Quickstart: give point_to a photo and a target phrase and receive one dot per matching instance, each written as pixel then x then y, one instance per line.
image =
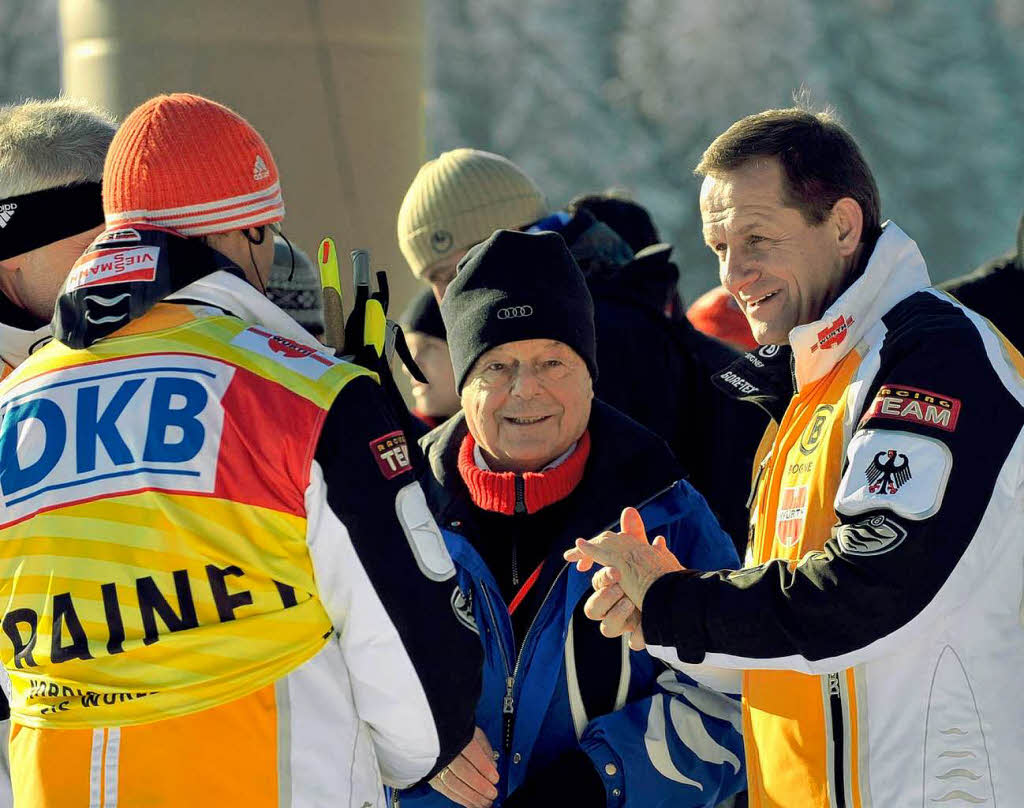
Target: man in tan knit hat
pixel 457 200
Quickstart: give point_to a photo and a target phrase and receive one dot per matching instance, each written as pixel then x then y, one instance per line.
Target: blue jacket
pixel 666 740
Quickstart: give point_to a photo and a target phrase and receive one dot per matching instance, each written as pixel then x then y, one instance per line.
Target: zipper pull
pixel 520 486
pixel 508 706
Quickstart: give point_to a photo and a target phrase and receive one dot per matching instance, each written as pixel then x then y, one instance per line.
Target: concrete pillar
pixel 334 86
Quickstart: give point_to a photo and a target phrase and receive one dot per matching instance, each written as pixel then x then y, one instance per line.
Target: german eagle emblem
pixel 888 472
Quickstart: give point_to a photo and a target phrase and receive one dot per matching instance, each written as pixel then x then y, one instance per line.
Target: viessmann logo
pixel 514 311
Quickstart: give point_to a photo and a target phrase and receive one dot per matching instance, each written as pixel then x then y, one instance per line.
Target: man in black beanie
pixel 532 462
pixel 517 286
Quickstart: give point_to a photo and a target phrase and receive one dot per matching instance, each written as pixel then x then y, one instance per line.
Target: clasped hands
pixel 630 564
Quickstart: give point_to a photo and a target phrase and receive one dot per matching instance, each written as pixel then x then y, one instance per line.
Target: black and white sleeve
pixel 929 491
pixel 390 589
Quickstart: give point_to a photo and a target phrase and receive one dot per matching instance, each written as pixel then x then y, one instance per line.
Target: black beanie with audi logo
pixel 517 286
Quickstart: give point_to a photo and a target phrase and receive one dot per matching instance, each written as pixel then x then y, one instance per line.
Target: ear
pixel 848 219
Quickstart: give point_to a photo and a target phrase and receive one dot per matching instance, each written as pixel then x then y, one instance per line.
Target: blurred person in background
pixel 717 314
pixel 215 550
pixel 533 460
pixel 653 370
pixel 995 290
pixel 51 207
pixel 294 286
pixel 425 334
pixel 876 626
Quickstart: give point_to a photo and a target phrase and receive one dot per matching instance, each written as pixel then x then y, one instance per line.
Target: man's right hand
pixel 469 780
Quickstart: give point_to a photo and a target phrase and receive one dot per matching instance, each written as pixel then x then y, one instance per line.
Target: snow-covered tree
pixel 588 95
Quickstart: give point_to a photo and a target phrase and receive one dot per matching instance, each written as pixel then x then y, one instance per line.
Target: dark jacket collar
pixel 628 465
pixel 763 376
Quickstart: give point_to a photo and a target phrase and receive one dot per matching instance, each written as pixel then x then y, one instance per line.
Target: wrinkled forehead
pixel 740 196
pixel 526 350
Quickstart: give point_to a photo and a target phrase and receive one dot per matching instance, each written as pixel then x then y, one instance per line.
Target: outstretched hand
pixel 631 565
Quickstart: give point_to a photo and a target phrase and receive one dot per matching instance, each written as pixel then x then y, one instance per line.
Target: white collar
pixel 895 271
pixel 229 293
pixel 16 344
pixel 478 457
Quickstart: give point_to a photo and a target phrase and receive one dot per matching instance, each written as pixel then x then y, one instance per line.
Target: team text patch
pixel 391 453
pixel 904 403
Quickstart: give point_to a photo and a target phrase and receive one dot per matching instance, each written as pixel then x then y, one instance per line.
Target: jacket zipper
pixel 520 508
pixel 508 704
pixel 835 720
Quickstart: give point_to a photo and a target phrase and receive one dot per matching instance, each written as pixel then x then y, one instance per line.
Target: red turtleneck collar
pixel 496 491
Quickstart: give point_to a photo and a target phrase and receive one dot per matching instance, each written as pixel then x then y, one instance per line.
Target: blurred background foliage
pixel 627 93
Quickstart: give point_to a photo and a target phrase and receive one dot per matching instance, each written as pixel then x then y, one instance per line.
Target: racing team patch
pixel 896 471
pixel 391 453
pixel 904 403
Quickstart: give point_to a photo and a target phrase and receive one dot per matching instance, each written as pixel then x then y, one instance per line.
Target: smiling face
pixel 782 270
pixel 527 402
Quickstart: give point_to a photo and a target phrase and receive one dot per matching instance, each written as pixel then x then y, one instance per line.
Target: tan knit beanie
pixel 460 199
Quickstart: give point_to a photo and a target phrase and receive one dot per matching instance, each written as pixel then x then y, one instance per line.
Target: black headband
pixel 31 221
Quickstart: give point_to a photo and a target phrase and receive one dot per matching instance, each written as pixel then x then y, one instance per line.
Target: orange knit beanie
pixel 191 165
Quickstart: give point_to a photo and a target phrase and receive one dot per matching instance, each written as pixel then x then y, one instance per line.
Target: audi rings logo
pixel 514 311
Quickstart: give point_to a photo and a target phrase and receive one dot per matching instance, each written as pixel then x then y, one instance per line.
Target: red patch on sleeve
pixel 903 403
pixel 391 453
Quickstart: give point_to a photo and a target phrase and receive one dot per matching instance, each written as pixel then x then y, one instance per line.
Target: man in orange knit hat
pixel 222 584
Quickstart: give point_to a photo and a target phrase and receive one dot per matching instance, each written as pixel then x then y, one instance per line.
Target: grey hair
pixel 50 143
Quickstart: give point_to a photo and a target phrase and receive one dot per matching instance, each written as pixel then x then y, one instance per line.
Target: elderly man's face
pixel 526 402
pixel 781 270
